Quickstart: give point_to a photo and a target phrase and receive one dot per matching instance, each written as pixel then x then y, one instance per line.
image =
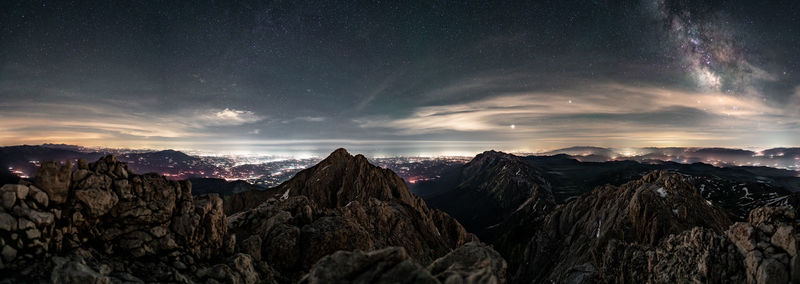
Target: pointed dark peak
pixel 342 157
pixel 339 153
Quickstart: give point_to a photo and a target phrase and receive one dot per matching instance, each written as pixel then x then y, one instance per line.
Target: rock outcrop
pixel 768 242
pixel 586 237
pixel 55 180
pixel 472 263
pixel 762 250
pixel 658 229
pixel 389 265
pixel 103 223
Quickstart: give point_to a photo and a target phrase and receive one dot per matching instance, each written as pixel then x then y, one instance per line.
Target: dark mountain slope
pixel 736 189
pixel 220 186
pixel 490 188
pixel 640 212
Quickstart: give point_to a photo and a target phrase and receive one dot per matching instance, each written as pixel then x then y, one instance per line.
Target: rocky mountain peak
pixel 339 153
pixel 342 203
pixel 336 181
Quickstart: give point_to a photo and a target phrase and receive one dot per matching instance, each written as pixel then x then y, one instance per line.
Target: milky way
pixel 707 45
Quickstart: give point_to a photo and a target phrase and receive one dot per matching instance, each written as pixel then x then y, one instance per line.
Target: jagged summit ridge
pixel 342 178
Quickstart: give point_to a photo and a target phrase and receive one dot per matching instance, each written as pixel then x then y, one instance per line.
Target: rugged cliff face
pixel 102 223
pixel 642 212
pixel 106 223
pixel 657 229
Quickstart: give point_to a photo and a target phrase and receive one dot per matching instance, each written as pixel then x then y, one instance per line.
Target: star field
pixel 399 77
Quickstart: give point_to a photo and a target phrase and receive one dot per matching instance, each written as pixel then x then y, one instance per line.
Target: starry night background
pixel 399 77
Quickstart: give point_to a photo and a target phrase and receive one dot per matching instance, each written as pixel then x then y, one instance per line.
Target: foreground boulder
pixel 768 242
pixel 102 222
pixel 472 263
pixel 389 265
pixel 55 180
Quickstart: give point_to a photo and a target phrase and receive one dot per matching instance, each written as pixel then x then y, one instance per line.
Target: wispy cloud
pixel 305 118
pixel 27 122
pixel 597 112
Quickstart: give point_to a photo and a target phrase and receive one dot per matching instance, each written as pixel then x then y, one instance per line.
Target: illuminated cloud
pixel 229 117
pixel 105 124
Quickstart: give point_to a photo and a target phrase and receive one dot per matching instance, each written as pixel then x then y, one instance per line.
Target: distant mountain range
pixel 24 161
pixel 569 171
pixel 787 158
pixel 739 189
pixel 261 171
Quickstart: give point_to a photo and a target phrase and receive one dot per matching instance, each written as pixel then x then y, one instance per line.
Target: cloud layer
pixel 606 112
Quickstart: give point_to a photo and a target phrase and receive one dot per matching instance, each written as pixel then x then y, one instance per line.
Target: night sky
pixel 399 77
